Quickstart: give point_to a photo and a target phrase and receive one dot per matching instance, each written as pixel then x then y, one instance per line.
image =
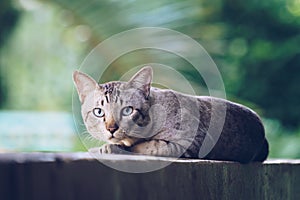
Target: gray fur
pixel 169 123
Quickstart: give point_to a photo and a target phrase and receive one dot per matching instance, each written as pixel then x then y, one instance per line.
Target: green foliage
pixel 38 61
pixel 283 142
pixel 8 19
pixel 270 68
pixel 255 45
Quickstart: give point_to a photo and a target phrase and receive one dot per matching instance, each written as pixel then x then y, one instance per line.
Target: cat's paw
pixel 112 149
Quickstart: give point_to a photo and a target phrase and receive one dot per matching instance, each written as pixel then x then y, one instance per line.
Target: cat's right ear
pixel 84 84
pixel 142 80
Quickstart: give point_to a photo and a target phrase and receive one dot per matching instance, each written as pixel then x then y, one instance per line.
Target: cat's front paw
pixel 112 149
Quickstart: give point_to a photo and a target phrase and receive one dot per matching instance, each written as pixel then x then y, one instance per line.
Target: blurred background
pixel 255 44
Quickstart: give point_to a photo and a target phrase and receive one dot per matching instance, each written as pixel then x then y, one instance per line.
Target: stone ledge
pixel 50 157
pixel 79 176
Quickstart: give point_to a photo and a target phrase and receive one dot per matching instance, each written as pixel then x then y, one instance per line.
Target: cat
pixel 135 118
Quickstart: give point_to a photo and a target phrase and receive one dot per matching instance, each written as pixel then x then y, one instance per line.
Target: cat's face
pixel 115 111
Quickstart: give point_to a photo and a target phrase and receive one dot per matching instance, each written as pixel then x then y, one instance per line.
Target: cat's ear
pixel 84 84
pixel 142 80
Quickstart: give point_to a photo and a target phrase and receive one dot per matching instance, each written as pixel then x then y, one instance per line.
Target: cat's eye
pixel 98 112
pixel 127 111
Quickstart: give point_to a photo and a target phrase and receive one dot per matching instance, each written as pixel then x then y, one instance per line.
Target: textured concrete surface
pixel 65 176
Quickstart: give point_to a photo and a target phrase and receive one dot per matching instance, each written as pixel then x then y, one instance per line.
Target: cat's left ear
pixel 142 80
pixel 84 84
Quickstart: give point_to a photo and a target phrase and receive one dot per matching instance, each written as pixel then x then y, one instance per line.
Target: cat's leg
pixel 158 148
pixel 113 149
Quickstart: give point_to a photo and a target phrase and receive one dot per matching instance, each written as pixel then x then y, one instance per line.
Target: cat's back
pixel 242 137
pixel 238 130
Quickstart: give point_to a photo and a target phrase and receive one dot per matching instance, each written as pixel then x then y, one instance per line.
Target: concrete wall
pixel 43 176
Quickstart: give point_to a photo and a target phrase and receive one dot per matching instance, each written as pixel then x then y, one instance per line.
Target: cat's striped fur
pixel 133 117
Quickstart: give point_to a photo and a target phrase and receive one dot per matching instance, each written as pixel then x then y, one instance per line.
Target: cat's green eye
pixel 127 111
pixel 98 112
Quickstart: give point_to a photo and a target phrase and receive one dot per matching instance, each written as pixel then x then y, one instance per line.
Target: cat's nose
pixel 113 128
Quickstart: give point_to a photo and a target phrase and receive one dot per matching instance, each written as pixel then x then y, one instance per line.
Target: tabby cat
pixel 135 118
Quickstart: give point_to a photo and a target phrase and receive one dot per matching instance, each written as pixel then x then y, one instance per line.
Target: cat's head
pixel 114 111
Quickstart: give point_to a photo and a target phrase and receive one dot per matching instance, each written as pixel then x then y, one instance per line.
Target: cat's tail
pixel 263 153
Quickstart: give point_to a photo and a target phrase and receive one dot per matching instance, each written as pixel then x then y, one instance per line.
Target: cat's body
pixel 135 117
